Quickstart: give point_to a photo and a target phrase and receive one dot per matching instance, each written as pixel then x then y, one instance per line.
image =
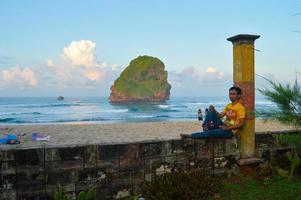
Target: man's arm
pixel 240 124
pixel 222 114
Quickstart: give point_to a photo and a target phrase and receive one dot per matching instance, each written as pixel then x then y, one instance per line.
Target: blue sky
pixel 188 36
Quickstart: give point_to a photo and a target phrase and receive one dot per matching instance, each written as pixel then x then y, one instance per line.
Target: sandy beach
pixel 79 134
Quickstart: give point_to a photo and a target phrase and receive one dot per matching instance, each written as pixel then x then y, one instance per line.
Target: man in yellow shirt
pixel 224 124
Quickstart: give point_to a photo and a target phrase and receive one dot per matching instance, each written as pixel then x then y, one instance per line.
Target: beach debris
pixel 40 137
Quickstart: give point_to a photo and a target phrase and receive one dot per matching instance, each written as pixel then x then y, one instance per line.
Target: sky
pixel 78 48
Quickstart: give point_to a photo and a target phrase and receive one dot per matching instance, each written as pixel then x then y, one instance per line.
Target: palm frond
pixel 287 98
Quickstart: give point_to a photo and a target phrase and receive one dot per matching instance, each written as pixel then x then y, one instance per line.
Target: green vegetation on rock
pixel 144 79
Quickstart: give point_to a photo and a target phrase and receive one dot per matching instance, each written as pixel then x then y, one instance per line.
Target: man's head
pixel 234 93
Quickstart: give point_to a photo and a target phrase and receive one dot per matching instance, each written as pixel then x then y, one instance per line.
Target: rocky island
pixel 144 80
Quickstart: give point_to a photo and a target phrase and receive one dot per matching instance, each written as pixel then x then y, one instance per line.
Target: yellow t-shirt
pixel 234 112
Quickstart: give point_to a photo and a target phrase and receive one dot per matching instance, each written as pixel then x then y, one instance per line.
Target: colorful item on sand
pixel 9 138
pixel 40 137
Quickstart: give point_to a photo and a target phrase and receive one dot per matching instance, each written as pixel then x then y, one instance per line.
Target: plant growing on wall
pixel 89 195
pixel 294 141
pixel 287 98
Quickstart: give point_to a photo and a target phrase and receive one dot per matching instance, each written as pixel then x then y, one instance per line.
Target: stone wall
pixel 115 170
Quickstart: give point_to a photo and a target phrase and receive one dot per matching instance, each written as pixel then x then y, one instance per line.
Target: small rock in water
pixel 60 98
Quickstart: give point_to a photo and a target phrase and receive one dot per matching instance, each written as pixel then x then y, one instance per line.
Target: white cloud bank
pixel 18 77
pixel 76 68
pixel 192 81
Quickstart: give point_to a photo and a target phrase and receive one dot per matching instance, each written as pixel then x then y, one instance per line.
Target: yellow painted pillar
pixel 243 76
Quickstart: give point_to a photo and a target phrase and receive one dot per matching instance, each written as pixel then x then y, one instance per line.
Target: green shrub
pixel 294 141
pixel 194 184
pixel 89 195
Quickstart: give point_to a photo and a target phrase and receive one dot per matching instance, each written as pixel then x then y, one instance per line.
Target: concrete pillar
pixel 243 76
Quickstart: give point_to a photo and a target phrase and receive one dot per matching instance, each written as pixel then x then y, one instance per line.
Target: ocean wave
pixel 134 109
pixel 49 105
pixel 116 111
pixel 170 110
pixel 163 116
pixel 24 113
pixel 11 120
pixel 180 106
pixel 93 119
pixel 163 106
pixel 206 104
pixel 8 119
pixel 144 116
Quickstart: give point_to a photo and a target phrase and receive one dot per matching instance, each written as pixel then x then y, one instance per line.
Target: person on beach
pixel 200 115
pixel 213 126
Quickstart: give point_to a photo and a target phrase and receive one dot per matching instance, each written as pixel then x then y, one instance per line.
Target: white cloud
pixel 192 74
pixel 211 70
pixel 213 74
pixel 16 76
pixel 94 75
pixel 80 53
pixel 116 67
pixel 49 63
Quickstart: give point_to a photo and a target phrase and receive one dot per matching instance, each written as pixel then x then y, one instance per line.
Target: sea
pixel 84 110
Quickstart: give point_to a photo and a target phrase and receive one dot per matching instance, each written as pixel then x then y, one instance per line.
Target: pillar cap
pixel 243 38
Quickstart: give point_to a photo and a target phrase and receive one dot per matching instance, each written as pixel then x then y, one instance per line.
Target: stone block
pixel 204 149
pixel 108 166
pixel 103 193
pixel 52 154
pixel 6 155
pixel 8 167
pixel 121 185
pixel 189 145
pixel 8 182
pixel 149 176
pixel 132 158
pixel 177 146
pixel 90 156
pixel 137 177
pixel 87 175
pixel 152 163
pixel 170 160
pixel 75 165
pixel 153 149
pixel 182 162
pixel 29 157
pixel 31 188
pixel 31 195
pixel 71 153
pixel 84 186
pixel 8 195
pixel 109 152
pixel 220 162
pixel 63 177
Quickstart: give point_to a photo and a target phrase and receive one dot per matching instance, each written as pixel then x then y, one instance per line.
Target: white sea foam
pixel 116 111
pixel 163 106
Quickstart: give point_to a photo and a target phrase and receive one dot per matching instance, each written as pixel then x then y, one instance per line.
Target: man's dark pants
pixel 214 131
